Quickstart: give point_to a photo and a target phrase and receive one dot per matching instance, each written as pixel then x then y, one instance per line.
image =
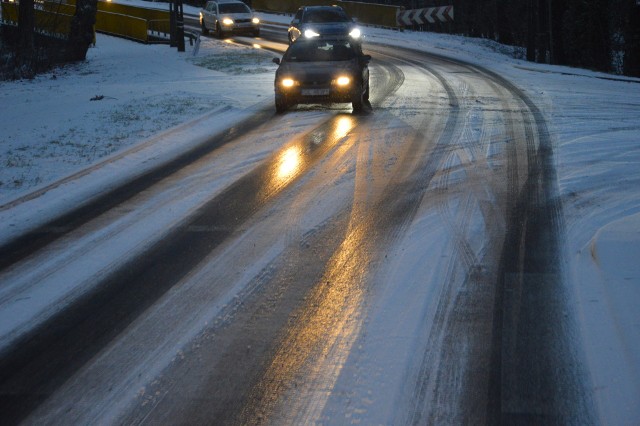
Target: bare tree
pixel 632 39
pixel 26 44
pixel 81 34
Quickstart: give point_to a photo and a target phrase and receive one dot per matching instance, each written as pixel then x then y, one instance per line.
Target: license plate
pixel 314 92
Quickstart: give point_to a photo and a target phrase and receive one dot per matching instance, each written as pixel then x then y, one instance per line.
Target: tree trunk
pixel 558 11
pixel 82 30
pixel 26 46
pixel 632 42
pixel 532 30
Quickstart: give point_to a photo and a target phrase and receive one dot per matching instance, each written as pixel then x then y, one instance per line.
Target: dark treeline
pixel 602 35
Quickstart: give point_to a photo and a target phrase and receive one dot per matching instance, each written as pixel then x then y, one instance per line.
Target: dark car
pixel 228 16
pixel 322 71
pixel 322 21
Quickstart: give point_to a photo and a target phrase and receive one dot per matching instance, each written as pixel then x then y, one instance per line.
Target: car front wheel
pixel 281 105
pixel 219 33
pixel 359 101
pixel 205 30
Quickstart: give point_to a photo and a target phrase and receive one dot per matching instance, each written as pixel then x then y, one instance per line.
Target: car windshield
pixel 233 8
pixel 320 51
pixel 325 15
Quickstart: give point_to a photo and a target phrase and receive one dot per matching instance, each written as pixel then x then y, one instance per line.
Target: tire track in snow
pixel 163 275
pixel 531 220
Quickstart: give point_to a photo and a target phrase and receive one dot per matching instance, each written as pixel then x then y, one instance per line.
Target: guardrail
pixel 157 20
pixel 135 23
pixel 54 24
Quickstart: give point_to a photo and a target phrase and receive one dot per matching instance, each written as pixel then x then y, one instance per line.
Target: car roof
pixel 321 7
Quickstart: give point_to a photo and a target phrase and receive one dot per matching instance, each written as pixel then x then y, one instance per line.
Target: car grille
pixel 242 21
pixel 315 79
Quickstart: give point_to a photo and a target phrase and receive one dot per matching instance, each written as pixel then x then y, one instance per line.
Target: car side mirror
pixel 365 58
pixel 276 61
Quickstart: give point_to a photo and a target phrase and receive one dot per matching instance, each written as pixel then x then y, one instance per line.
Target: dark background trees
pixel 603 35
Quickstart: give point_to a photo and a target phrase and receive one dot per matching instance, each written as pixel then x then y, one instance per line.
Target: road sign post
pixel 180 25
pixel 176 25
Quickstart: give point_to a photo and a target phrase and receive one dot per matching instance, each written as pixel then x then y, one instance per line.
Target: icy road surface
pixel 400 266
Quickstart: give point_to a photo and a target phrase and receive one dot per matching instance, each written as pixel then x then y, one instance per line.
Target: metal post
pixel 180 25
pixel 172 24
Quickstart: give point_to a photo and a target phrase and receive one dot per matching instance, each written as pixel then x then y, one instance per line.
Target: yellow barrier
pixel 366 13
pixel 111 18
pixel 137 12
pixel 155 20
pixel 47 22
pixel 9 12
pixel 122 25
pixel 56 7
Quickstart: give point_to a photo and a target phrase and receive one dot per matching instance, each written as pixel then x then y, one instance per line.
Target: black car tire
pixel 205 30
pixel 281 106
pixel 358 103
pixel 219 33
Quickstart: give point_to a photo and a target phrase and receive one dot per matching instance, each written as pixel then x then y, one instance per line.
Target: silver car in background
pixel 225 17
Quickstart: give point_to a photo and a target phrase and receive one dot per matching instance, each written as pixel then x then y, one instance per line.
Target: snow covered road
pixel 403 266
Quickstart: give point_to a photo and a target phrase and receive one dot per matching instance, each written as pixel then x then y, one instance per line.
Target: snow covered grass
pixel 124 93
pixel 231 59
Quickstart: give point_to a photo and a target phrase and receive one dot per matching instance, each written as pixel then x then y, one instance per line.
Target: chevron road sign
pixel 429 15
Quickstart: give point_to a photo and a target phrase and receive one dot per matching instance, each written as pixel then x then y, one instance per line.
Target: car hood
pixel 236 15
pixel 316 70
pixel 330 28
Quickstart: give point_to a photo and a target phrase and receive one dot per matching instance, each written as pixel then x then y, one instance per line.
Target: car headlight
pixel 355 33
pixel 227 21
pixel 255 20
pixel 310 34
pixel 287 82
pixel 343 80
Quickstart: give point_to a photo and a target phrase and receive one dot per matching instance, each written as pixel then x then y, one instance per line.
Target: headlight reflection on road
pixel 289 163
pixel 344 125
pixel 315 348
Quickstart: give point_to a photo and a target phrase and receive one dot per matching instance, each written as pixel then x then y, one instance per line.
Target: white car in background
pixel 225 17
